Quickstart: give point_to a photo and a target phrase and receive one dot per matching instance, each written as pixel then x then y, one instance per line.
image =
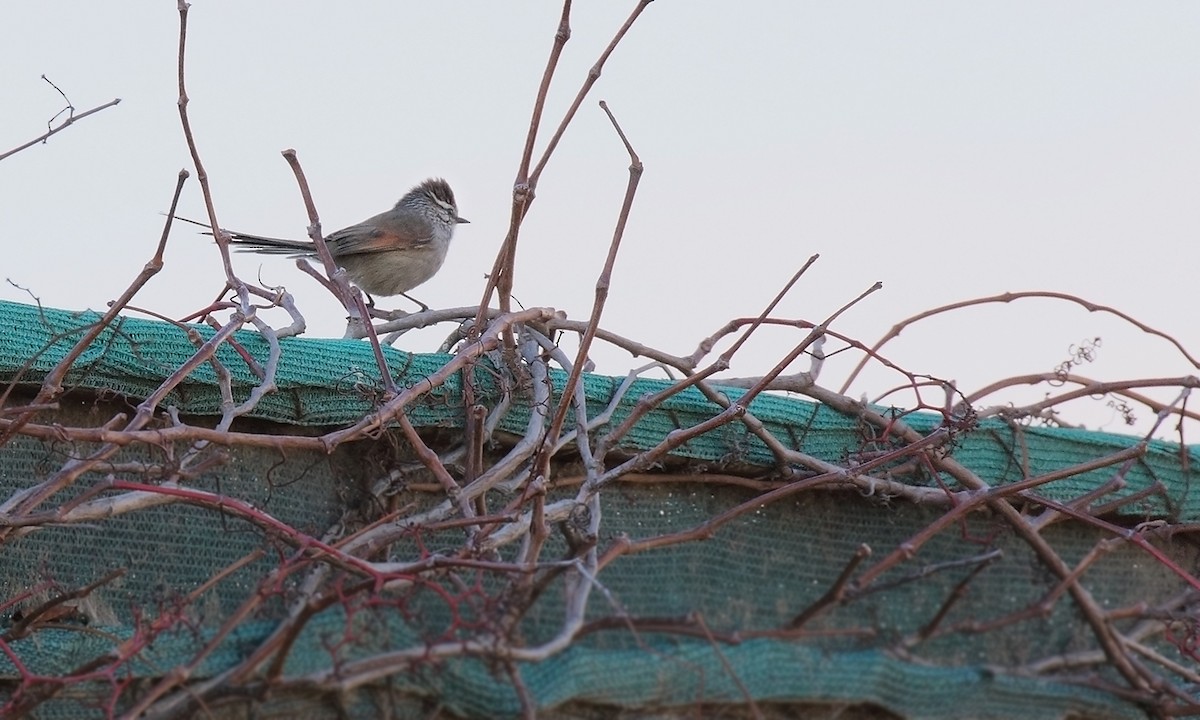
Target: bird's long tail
pixel 259 243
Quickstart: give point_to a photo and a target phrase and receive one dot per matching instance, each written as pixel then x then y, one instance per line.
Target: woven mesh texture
pixel 754 575
pixel 320 384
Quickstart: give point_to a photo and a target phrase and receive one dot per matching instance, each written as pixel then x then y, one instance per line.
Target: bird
pixel 389 253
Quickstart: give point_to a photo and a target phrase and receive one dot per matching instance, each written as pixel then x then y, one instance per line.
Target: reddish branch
pixel 360 568
pixel 1008 298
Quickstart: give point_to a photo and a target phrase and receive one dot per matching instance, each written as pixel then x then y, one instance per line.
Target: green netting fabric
pixel 321 383
pixel 751 577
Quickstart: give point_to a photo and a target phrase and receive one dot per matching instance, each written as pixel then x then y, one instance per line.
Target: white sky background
pixel 948 149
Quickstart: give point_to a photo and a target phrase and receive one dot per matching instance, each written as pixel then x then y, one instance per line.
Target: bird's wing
pixel 386 232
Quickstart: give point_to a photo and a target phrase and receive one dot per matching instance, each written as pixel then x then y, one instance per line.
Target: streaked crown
pixel 437 193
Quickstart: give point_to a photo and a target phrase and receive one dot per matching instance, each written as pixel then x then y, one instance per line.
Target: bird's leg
pixel 375 312
pixel 379 314
pixel 424 307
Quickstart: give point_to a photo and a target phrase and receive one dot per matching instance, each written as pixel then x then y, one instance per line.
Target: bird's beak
pixel 461 220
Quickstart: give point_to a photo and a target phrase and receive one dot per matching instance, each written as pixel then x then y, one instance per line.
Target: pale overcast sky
pixel 947 149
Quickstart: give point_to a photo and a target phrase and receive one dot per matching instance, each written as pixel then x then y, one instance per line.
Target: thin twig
pixel 71 120
pixel 602 285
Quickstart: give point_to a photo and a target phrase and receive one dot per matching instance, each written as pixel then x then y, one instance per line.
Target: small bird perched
pixel 390 253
